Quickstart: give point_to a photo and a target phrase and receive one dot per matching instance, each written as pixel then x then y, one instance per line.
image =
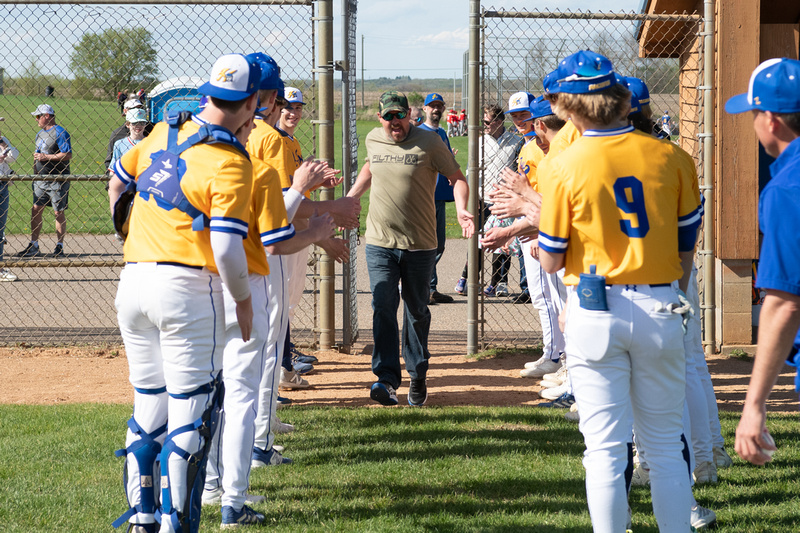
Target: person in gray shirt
pixel 52 156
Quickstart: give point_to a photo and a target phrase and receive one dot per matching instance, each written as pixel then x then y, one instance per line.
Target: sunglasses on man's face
pixel 418 120
pixel 391 115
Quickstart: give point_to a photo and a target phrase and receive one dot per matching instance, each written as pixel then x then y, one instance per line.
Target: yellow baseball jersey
pixel 277 149
pixel 624 201
pixel 528 161
pixel 563 139
pixel 218 181
pixel 269 222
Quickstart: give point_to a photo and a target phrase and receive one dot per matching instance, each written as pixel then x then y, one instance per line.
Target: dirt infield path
pixel 48 376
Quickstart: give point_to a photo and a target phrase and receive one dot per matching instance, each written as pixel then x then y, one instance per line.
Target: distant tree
pixel 116 59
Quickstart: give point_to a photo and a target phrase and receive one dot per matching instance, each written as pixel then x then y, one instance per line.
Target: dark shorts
pixel 51 192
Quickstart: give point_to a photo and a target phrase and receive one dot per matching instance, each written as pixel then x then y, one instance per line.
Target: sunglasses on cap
pixel 391 115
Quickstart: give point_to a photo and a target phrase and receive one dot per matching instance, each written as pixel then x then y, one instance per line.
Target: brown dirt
pixel 37 375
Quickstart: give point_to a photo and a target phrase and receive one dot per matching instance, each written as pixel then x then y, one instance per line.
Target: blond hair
pixel 602 108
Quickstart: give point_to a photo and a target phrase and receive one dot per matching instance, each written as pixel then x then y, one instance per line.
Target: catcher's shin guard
pixel 145 451
pixel 187 519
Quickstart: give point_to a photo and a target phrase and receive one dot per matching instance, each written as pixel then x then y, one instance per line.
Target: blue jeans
pixel 388 266
pixel 3 213
pixel 441 239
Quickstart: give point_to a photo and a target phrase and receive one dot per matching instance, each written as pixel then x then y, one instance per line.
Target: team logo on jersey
pixel 226 75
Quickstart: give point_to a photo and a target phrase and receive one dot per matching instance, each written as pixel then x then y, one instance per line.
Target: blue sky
pixel 414 38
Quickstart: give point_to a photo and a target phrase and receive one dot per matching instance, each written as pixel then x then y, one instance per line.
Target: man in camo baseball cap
pixel 393 101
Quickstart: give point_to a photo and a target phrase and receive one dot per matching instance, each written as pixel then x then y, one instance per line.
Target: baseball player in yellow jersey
pixel 169 302
pixel 698 407
pixel 266 142
pixel 511 197
pixel 620 212
pixel 244 363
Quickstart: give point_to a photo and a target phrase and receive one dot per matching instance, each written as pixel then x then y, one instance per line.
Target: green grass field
pixel 459 469
pixel 90 124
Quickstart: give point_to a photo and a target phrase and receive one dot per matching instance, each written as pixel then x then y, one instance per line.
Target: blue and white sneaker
pixel 232 518
pixel 383 393
pixel 564 401
pixel 461 286
pixel 268 458
pixel 297 355
pixel 302 368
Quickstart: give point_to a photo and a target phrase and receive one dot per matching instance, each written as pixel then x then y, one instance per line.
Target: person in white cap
pixel 52 156
pixel 187 225
pixel 122 131
pixel 135 122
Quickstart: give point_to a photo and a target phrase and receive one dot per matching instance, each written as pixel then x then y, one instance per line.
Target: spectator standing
pixel 121 101
pixel 52 157
pixel 402 164
pixel 8 154
pixel 135 121
pixel 434 108
pixel 122 131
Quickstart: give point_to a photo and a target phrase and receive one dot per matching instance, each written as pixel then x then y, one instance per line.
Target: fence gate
pixel 517 49
pixel 76 58
pixel 349 167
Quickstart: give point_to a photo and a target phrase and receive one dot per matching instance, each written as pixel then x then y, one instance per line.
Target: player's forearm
pixel 779 319
pixel 551 263
pixel 687 260
pixel 231 263
pixel 115 188
pixel 60 157
pixel 300 241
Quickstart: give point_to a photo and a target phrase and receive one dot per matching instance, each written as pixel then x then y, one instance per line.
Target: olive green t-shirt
pixel 402 214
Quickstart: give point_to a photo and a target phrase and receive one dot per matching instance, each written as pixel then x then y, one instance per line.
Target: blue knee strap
pixel 145 451
pixel 188 520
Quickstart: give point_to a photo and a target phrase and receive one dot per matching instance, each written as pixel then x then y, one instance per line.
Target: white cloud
pixel 458 38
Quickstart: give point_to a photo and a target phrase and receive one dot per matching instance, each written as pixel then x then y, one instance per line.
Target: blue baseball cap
pixel 640 95
pixel 583 72
pixel 270 71
pixel 520 102
pixel 540 108
pixel 233 78
pixel 434 97
pixel 774 86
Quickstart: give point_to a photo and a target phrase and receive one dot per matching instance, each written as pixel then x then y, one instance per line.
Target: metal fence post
pixel 327 324
pixel 473 116
pixel 707 305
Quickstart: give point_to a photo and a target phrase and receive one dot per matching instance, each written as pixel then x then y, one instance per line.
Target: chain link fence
pixel 519 48
pixel 84 61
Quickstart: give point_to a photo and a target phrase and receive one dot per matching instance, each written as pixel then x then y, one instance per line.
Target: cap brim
pixel 531 133
pixel 394 108
pixel 738 104
pixel 223 94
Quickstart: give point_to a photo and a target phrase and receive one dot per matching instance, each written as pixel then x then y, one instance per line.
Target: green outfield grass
pixel 460 469
pixel 90 124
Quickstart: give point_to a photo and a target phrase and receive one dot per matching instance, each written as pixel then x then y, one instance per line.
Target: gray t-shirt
pixel 402 213
pixel 53 141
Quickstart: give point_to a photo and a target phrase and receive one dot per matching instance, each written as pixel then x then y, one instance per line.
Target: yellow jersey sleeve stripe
pixel 553 245
pixel 228 225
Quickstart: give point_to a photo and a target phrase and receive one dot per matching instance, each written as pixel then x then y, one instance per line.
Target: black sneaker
pixel 58 251
pixel 32 250
pixel 523 298
pixel 383 393
pixel 417 392
pixel 439 298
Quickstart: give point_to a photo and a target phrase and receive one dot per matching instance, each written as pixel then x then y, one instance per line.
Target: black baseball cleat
pixel 417 392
